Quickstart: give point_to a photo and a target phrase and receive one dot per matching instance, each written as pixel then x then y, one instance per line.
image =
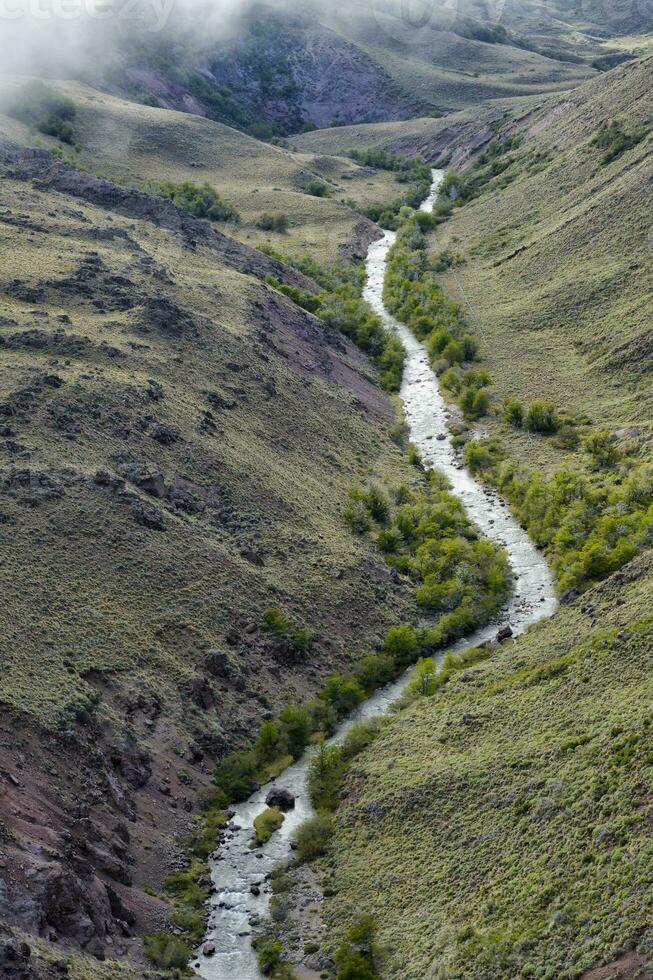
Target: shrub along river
pixel 238 872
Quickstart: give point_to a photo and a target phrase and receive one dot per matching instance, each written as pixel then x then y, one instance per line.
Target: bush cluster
pixel 590 523
pixel 284 627
pixel 339 305
pixel 614 140
pixel 45 110
pixel 202 201
pixel 273 222
pixel 357 953
pixel 413 295
pixel 409 170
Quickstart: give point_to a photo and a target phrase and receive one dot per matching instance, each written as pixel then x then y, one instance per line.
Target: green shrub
pixel 513 413
pixel 482 454
pixel 541 417
pixel 312 837
pixel 200 201
pixel 269 954
pixel 615 140
pixel 295 723
pixel 356 954
pixel 236 775
pixel 601 449
pixel 40 106
pixel 284 627
pixel 269 743
pixel 266 824
pixel 342 693
pixel 401 644
pixel 273 222
pixel 167 951
pixel 317 188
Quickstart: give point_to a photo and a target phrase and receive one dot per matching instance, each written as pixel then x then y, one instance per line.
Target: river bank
pixel 240 875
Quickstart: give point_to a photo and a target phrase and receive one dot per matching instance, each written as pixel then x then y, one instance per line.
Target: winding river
pixel 241 895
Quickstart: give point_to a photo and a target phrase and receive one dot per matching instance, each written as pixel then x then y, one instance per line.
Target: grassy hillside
pixel 500 828
pixel 552 259
pixel 455 136
pixel 134 144
pixel 178 442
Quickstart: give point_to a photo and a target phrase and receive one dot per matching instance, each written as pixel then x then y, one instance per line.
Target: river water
pixel 234 909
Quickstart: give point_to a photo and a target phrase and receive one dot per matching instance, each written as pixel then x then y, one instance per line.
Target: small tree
pixel 601 449
pixel 513 413
pixel 541 417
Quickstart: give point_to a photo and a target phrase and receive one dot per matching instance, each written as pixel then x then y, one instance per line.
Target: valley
pixel 264 463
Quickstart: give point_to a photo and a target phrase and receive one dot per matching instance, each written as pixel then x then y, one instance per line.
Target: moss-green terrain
pixel 500 828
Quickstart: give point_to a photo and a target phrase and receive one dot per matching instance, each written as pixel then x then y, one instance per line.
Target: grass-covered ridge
pixel 499 826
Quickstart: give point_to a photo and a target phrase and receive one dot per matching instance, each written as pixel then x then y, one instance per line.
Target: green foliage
pixel 475 403
pixel 614 140
pixel 312 837
pixel 590 524
pixel 297 728
pixel 356 954
pixel 45 110
pixel 236 775
pixel 284 627
pixel 342 693
pixel 541 417
pixel 269 742
pixel 266 824
pixel 482 454
pixel 366 506
pixel 273 222
pixel 340 306
pixel 402 644
pixel 513 413
pixel 269 954
pixel 456 573
pixel 200 201
pixel 601 449
pixel 318 188
pixel 168 951
pixel 413 295
pixel 409 170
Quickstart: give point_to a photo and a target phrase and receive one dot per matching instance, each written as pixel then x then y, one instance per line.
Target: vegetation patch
pixel 590 522
pixel 41 107
pixel 339 304
pixel 202 201
pixel 409 170
pixel 614 140
pixel 266 824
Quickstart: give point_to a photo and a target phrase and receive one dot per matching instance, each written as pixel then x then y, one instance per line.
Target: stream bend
pixel 234 909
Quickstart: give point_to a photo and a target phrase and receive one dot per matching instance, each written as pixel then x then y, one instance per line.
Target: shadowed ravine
pixel 234 909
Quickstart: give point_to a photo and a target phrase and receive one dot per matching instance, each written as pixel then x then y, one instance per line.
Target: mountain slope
pixel 177 445
pixel 500 826
pixel 555 269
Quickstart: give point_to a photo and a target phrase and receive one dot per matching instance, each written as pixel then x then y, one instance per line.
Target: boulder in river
pixel 208 949
pixel 282 799
pixel 504 633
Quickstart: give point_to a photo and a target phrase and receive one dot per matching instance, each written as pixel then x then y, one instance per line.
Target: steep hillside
pixel 501 827
pixel 278 70
pixel 178 441
pixel 552 259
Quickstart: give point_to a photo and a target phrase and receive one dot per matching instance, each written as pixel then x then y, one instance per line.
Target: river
pixel 234 909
